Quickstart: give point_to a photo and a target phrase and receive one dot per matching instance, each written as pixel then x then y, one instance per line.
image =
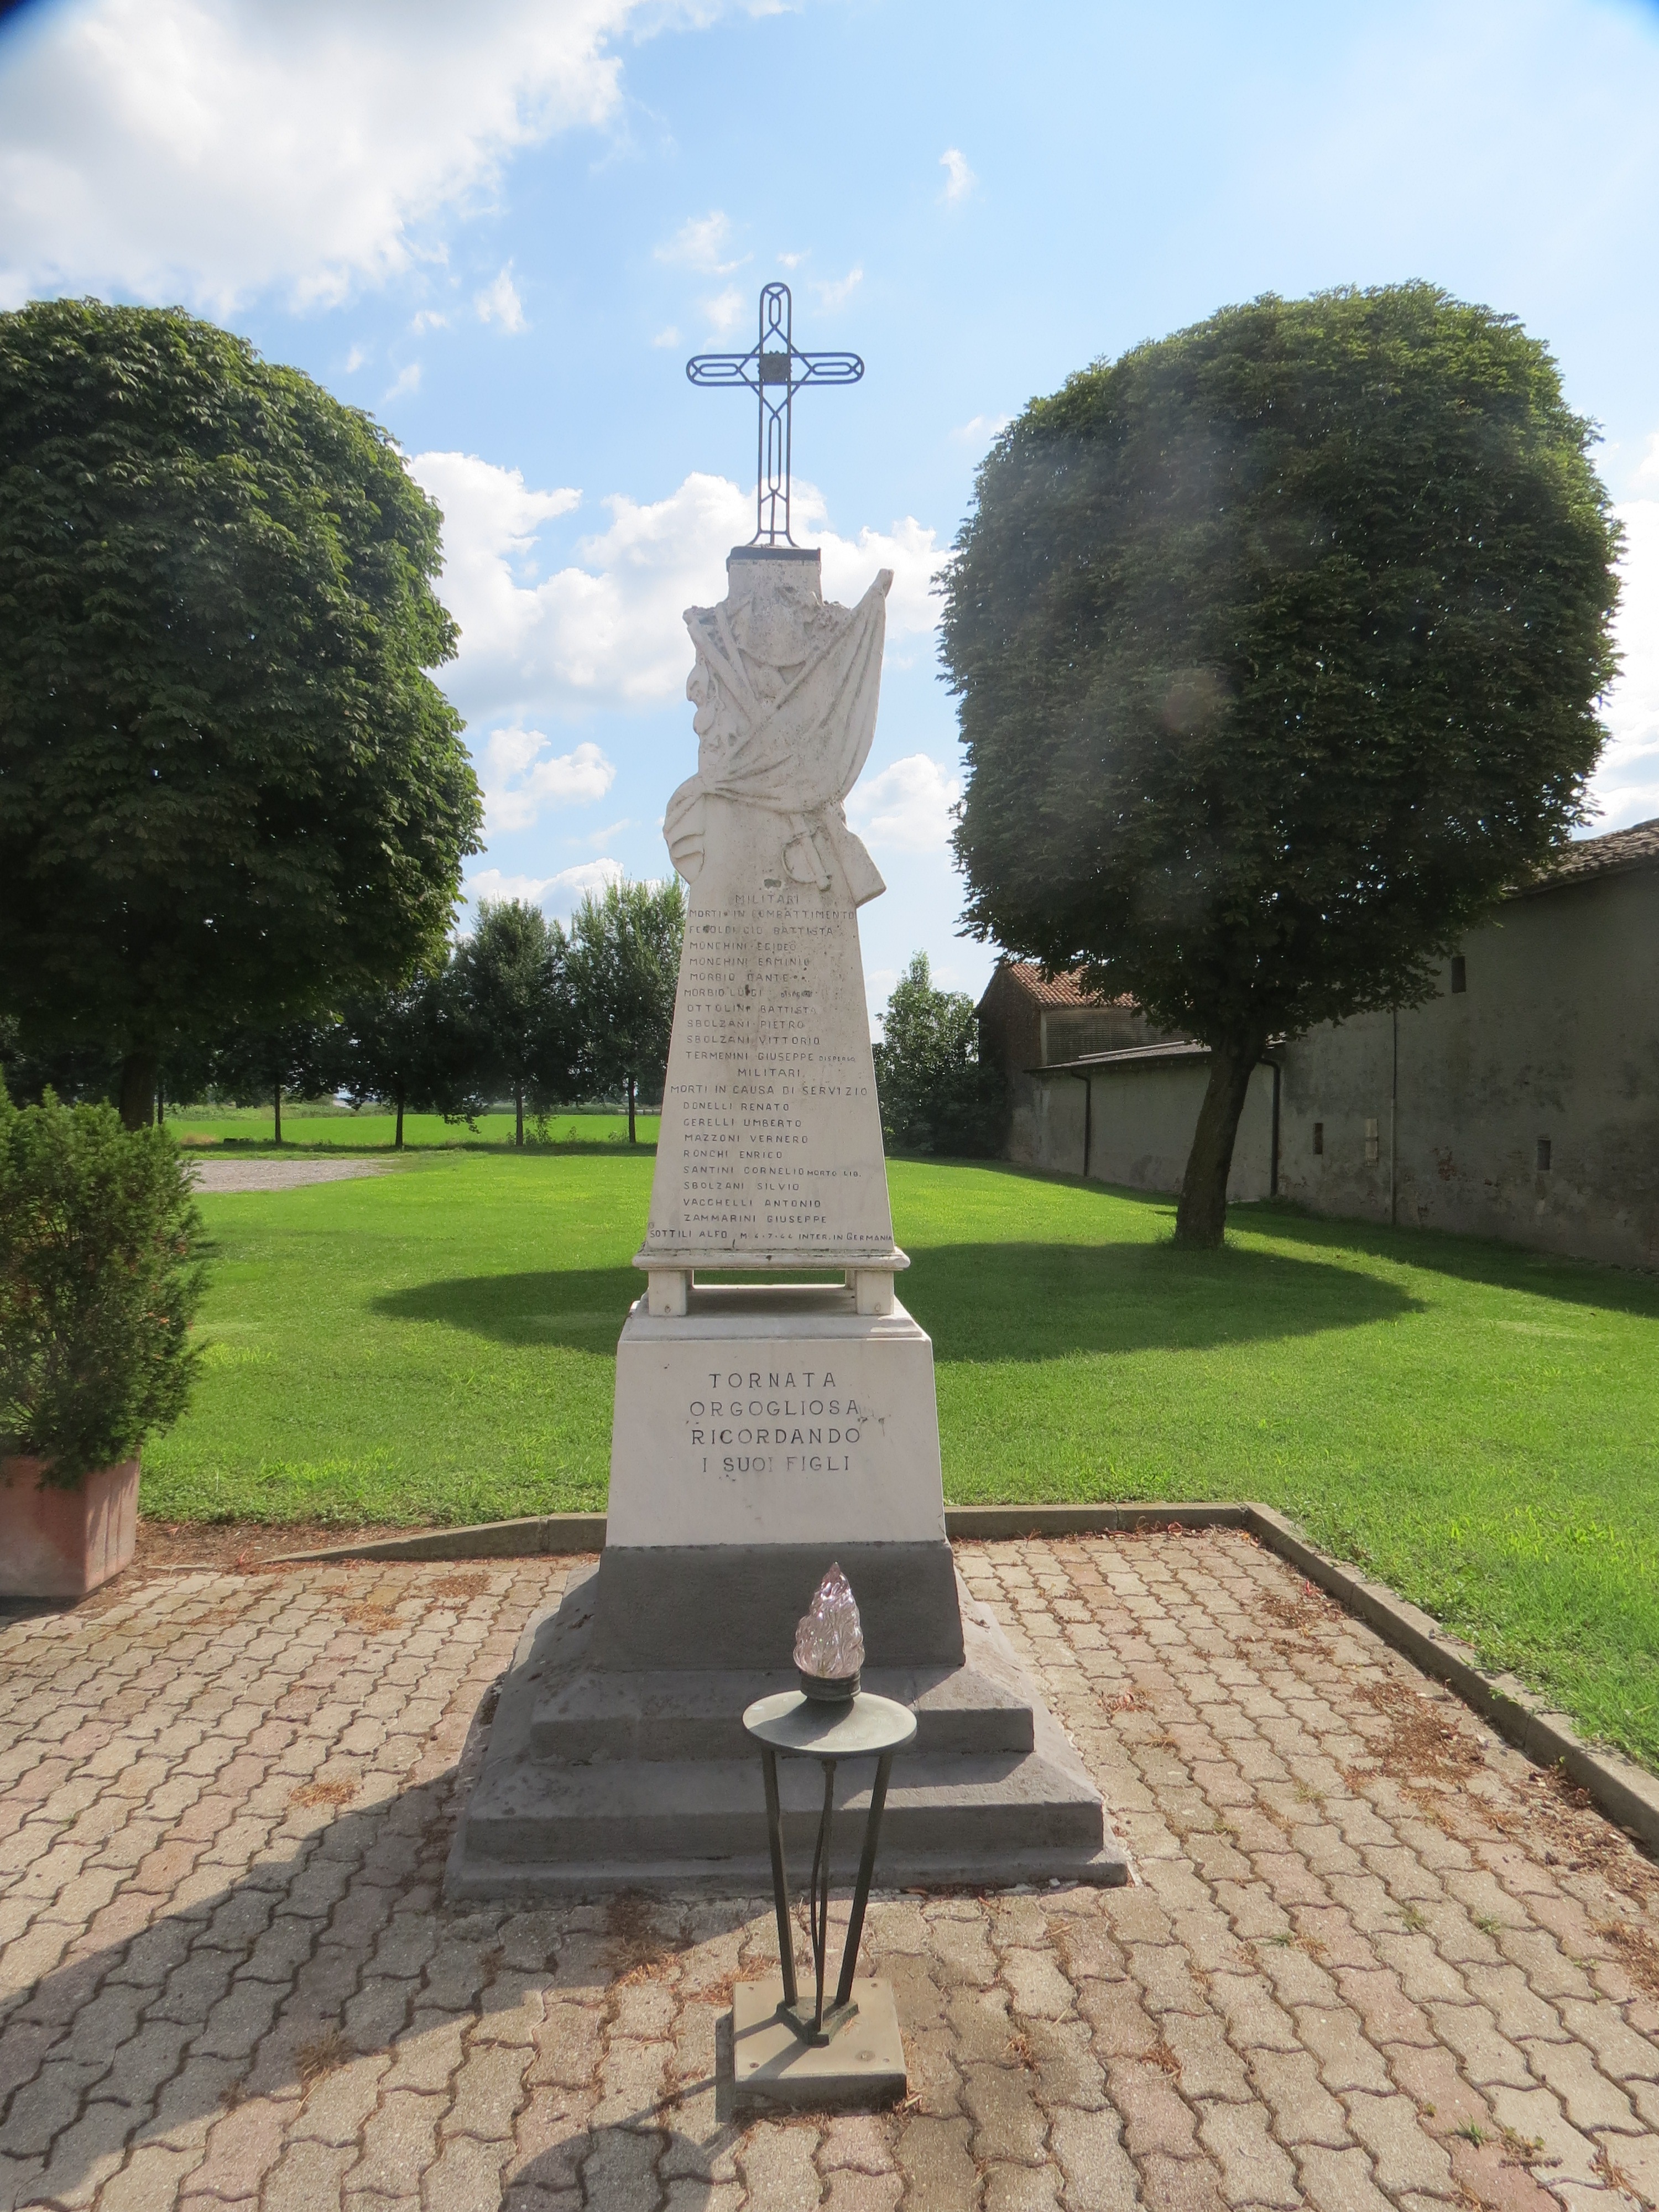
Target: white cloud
pixel 565 892
pixel 598 837
pixel 355 360
pixel 1626 784
pixel 215 149
pixel 980 429
pixel 791 260
pixel 699 245
pixel 428 319
pixel 1647 468
pixel 907 808
pixel 559 895
pixel 499 302
pixel 913 554
pixel 607 628
pixel 671 336
pixel 959 178
pixel 837 291
pixel 407 379
pixel 726 311
pixel 490 883
pixel 520 776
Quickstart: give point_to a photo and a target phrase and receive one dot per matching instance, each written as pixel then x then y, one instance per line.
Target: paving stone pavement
pixel 1373 1959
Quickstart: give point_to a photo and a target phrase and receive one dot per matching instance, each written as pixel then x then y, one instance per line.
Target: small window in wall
pixel 1373 1143
pixel 1460 977
pixel 1319 1137
pixel 1543 1155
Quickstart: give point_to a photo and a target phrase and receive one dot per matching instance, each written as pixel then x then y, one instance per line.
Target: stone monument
pixel 763 1429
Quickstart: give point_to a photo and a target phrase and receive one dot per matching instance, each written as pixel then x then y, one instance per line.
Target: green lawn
pixel 1475 1424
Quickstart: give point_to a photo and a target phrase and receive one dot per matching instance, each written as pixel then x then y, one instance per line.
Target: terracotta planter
pixel 63 1543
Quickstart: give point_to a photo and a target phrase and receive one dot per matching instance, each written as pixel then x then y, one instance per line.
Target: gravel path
pixel 278 1175
pixel 1372 1959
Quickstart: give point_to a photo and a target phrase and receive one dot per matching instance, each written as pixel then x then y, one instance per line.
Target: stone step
pixel 664 1716
pixel 1005 1818
pixel 474 1879
pixel 993 1796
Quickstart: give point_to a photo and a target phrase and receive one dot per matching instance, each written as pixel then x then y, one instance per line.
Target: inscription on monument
pixel 771 1139
pixel 774 1421
pixel 757 1067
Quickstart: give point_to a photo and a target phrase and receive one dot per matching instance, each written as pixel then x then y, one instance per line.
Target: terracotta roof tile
pixel 1065 990
pixel 1635 848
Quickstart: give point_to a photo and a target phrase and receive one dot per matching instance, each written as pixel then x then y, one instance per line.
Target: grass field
pixel 1476 1425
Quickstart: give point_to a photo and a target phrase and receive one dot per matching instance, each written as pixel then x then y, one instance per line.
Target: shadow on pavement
pixel 295 1983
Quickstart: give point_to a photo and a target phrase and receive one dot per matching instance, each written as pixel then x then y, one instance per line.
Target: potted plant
pixel 98 1281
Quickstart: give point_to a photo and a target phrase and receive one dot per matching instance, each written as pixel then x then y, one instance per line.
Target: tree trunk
pixel 279 1112
pixel 138 1072
pixel 517 1105
pixel 631 1138
pixel 1201 1215
pixel 397 1141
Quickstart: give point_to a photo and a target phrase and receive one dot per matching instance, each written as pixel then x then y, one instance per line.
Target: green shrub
pixel 98 1281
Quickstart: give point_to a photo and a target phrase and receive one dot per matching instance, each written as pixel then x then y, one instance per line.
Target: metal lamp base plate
pixel 861 2067
pixel 835 2018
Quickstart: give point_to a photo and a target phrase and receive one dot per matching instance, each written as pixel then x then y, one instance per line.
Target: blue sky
pixel 502 228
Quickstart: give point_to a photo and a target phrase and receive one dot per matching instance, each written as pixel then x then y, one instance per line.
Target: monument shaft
pixel 769 1108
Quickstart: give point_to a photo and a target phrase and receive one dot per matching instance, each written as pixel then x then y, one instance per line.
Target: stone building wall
pixel 1524 1106
pixel 1520 1103
pixel 1139 1117
pixel 1026 1022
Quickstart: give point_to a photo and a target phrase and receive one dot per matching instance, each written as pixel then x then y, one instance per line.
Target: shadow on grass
pixel 1478 1259
pixel 581 1308
pixel 1008 1301
pixel 1481 1260
pixel 1001 1301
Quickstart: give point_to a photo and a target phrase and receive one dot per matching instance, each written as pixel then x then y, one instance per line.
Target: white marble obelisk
pixel 763 1430
pixel 787 1415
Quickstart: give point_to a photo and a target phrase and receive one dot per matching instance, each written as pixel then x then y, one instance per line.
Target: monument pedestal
pixel 751 1434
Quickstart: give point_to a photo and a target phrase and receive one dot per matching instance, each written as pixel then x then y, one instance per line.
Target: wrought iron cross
pixel 774 369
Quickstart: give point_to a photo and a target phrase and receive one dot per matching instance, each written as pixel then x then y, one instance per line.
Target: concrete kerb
pixel 1626 1793
pixel 556 1533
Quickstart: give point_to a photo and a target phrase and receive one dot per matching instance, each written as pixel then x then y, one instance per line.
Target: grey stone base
pixel 862 2068
pixel 736 1605
pixel 598 1777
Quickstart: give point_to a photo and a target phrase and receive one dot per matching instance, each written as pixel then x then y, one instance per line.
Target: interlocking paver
pixel 1253 2169
pixel 1340 1981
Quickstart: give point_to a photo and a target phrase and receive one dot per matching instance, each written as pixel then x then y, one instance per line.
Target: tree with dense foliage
pixel 74 1073
pixel 937 1094
pixel 99 1279
pixel 1279 644
pixel 262 1066
pixel 415 1047
pixel 623 968
pixel 230 794
pixel 511 973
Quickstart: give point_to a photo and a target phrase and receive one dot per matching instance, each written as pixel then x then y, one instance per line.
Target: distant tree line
pixel 522 1009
